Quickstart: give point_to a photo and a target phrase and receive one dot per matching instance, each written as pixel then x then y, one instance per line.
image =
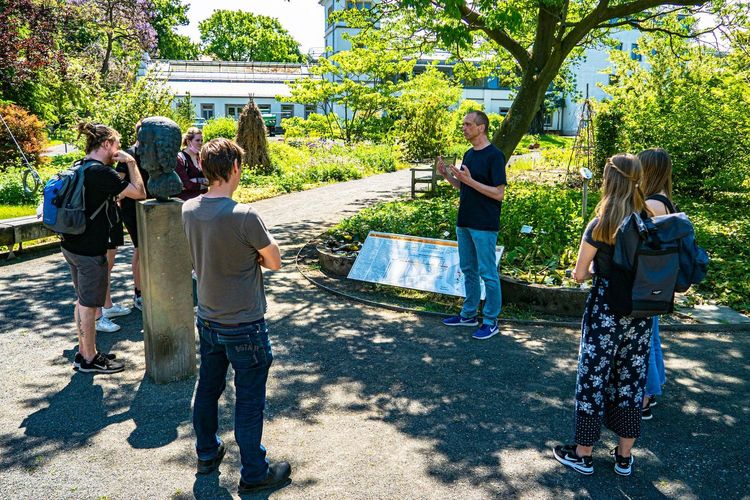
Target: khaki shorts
pixel 89 278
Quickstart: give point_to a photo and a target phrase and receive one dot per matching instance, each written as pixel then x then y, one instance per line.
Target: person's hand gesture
pixel 462 173
pixel 441 168
pixel 122 157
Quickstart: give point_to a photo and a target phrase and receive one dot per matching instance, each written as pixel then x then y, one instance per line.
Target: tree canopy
pixel 233 35
pixel 530 41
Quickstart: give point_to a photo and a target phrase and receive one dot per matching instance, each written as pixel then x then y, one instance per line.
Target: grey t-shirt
pixel 224 238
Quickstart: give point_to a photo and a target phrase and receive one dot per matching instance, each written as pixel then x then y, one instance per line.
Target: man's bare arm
pixel 270 256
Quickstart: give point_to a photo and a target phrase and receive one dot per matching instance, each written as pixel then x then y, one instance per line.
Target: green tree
pixel 424 124
pixel 693 102
pixel 169 14
pixel 354 88
pixel 118 29
pixel 121 109
pixel 532 40
pixel 233 35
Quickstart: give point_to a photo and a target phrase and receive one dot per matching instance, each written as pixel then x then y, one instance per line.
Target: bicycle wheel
pixel 31 181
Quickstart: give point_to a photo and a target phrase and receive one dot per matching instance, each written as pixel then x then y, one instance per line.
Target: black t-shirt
pixel 128 204
pixel 101 183
pixel 477 211
pixel 605 251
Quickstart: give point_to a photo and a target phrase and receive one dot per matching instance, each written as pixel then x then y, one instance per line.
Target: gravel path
pixel 364 403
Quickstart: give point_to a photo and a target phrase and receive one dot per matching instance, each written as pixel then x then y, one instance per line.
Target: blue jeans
pixel 248 349
pixel 656 375
pixel 476 254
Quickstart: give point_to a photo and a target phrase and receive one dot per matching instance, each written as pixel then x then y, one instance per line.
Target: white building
pixel 221 88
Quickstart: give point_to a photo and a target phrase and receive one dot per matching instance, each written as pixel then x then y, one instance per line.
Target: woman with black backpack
pixel 657 187
pixel 614 349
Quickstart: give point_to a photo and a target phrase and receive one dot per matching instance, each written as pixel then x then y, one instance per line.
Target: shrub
pixel 285 158
pixel 225 127
pixel 11 188
pixel 608 123
pixel 424 125
pixel 377 157
pixel 28 130
pixel 123 108
pixel 316 125
pixel 553 212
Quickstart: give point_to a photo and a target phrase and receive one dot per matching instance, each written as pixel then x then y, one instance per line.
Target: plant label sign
pixel 425 264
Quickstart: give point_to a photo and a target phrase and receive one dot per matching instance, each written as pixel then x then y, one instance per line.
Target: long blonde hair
pixel 621 195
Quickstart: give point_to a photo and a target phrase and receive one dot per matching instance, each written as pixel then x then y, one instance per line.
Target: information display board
pixel 426 264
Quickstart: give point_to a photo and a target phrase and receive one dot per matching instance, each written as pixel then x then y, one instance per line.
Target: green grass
pixel 546 141
pixel 11 211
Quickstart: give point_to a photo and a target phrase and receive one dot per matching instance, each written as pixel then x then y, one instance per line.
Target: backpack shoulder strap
pixel 666 201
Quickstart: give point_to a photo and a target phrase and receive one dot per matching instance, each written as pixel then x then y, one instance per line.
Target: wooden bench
pixel 20 230
pixel 428 175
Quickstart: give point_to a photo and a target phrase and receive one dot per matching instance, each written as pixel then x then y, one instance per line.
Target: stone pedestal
pixel 168 319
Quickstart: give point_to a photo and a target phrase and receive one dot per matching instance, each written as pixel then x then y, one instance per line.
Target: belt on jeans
pixel 210 324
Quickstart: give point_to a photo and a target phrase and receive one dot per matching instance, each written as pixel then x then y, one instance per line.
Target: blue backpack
pixel 64 205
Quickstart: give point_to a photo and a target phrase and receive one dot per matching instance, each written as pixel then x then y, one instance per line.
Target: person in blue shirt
pixel 481 181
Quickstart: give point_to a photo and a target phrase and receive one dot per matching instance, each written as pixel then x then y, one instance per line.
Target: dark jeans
pixel 248 349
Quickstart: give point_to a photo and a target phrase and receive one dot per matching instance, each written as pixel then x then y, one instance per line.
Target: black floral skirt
pixel 612 369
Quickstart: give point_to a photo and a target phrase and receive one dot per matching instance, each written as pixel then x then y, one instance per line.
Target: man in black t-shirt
pixel 127 207
pixel 86 252
pixel 481 181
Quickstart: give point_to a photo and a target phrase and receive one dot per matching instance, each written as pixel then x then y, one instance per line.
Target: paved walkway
pixel 364 403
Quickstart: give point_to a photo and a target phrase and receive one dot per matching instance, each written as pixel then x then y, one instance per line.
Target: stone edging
pixel 710 327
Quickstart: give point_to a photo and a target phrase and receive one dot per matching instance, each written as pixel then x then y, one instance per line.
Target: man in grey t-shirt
pixel 229 244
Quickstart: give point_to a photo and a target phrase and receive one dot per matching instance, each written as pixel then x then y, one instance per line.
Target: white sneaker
pixel 115 311
pixel 138 302
pixel 103 324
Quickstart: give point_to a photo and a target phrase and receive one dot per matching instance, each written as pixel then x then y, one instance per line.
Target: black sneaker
pixel 652 401
pixel 77 360
pixel 623 465
pixel 566 455
pixel 208 466
pixel 646 413
pixel 101 364
pixel 278 473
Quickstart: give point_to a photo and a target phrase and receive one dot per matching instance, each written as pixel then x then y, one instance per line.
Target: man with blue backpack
pixel 79 204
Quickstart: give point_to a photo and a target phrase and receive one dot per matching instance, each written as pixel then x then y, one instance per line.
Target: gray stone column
pixel 168 319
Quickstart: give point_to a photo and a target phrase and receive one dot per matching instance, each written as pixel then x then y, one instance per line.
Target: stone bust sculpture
pixel 158 144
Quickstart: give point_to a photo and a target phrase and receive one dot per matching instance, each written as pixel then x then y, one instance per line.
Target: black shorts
pixel 131 224
pixel 90 275
pixel 116 236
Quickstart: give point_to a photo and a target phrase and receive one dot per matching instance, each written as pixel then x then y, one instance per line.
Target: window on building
pixel 634 54
pixel 234 110
pixel 328 15
pixel 264 108
pixel 309 109
pixel 503 111
pixel 287 111
pixel 548 120
pixel 207 111
pixel 358 5
pixel 476 83
pixel 619 46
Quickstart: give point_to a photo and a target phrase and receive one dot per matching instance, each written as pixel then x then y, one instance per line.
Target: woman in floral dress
pixel 613 355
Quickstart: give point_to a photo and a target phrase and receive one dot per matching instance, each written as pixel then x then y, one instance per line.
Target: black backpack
pixel 653 258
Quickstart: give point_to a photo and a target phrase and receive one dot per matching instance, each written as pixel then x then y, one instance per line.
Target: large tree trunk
pixel 522 111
